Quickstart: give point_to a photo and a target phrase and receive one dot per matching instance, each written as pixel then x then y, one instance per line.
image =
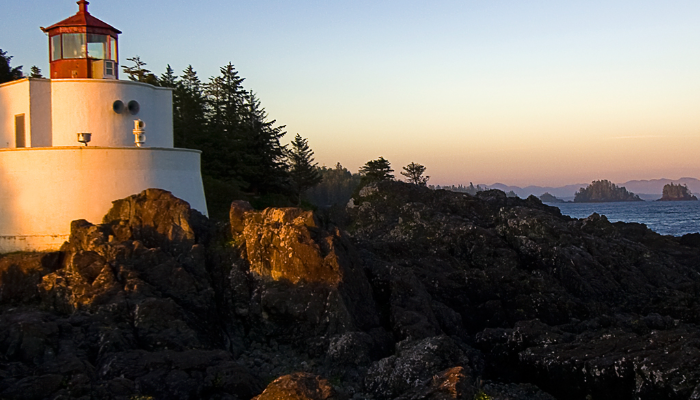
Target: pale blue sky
pixel 541 92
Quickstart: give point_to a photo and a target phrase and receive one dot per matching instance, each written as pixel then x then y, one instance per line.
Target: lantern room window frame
pixel 61 42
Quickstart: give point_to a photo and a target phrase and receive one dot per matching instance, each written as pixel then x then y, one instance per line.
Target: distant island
pixel 649 189
pixel 550 198
pixel 673 192
pixel 604 191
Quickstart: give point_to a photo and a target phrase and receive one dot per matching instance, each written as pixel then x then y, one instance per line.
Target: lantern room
pixel 83 47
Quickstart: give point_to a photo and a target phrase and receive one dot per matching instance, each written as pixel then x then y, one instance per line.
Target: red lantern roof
pixel 82 19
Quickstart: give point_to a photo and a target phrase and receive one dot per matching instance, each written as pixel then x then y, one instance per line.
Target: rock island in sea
pixel 673 192
pixel 604 191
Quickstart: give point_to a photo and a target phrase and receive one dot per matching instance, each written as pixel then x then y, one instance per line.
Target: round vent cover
pixel 134 107
pixel 118 106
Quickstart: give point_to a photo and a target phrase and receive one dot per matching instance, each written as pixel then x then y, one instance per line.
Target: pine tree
pixel 138 72
pixel 269 173
pixel 35 72
pixel 7 73
pixel 168 78
pixel 225 146
pixel 189 111
pixel 414 172
pixel 376 170
pixel 302 168
pixel 247 147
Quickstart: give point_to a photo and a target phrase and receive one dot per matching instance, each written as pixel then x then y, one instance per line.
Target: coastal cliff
pixel 409 293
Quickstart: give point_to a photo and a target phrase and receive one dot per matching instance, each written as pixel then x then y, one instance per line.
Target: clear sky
pixel 520 92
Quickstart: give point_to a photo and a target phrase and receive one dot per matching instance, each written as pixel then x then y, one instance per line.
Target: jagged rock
pixel 306 274
pixel 299 386
pixel 279 245
pixel 513 391
pixel 354 348
pixel 239 208
pixel 450 384
pixel 20 274
pixel 414 365
pixel 157 219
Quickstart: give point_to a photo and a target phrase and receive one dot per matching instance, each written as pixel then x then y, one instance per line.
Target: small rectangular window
pixel 55 47
pixel 19 130
pixel 74 45
pixel 109 68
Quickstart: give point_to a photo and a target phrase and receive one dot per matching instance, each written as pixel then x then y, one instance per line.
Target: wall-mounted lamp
pixel 84 138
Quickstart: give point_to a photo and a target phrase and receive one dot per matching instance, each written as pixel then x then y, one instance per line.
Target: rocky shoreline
pixel 407 294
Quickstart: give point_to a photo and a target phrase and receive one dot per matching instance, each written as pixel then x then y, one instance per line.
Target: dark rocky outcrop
pixel 413 294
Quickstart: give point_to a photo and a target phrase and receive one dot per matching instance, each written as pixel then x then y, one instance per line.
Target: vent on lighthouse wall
pixel 118 107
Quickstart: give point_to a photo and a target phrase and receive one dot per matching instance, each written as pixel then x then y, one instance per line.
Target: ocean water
pixel 665 217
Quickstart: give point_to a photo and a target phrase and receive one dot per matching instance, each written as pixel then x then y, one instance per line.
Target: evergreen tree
pixel 35 72
pixel 189 111
pixel 225 151
pixel 168 78
pixel 7 73
pixel 376 170
pixel 414 172
pixel 138 72
pixel 302 168
pixel 268 173
pixel 242 145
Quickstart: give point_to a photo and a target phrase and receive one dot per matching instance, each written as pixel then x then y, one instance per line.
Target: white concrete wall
pixel 39 122
pixel 14 99
pixel 85 105
pixel 44 189
pixel 56 110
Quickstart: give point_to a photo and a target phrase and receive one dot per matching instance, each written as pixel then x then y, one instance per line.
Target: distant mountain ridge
pixel 650 189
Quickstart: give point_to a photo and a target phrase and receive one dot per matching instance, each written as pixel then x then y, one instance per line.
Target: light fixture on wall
pixel 84 138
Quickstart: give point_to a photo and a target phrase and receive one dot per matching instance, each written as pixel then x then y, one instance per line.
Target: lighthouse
pixel 82 46
pixel 72 144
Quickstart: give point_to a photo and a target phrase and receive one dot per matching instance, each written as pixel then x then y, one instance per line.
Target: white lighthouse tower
pixel 72 144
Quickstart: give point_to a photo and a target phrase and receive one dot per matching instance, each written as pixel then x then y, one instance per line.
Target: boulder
pixel 299 386
pixel 451 384
pixel 157 219
pixel 302 273
pixel 414 367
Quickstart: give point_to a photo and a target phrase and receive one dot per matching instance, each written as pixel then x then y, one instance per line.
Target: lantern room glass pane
pixel 113 50
pixel 97 46
pixel 74 45
pixel 55 47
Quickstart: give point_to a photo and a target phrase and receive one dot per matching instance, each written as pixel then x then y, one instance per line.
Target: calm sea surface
pixel 664 217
